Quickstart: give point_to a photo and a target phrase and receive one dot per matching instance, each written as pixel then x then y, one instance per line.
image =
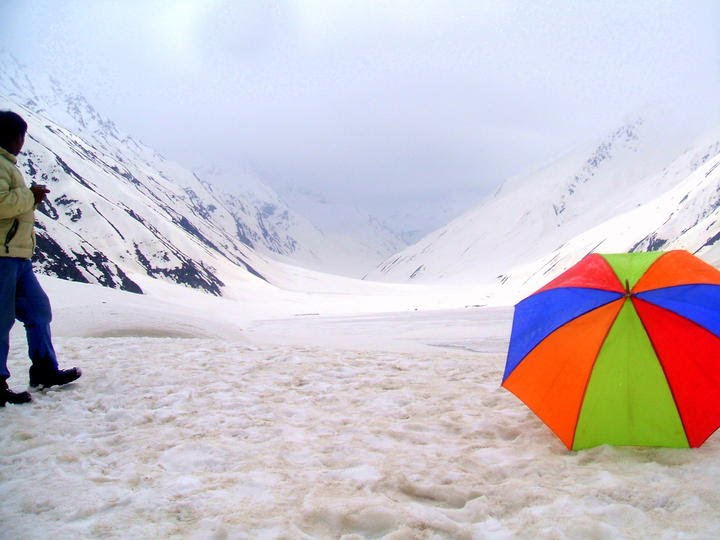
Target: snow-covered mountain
pixel 111 217
pixel 687 216
pixel 119 212
pixel 100 178
pixel 634 190
pixel 351 233
pixel 339 239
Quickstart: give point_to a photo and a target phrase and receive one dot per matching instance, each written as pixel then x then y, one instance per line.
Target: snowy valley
pixel 120 213
pixel 243 396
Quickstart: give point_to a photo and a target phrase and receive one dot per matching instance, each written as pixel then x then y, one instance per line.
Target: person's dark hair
pixel 11 127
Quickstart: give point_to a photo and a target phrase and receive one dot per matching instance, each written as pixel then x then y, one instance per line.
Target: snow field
pixel 208 438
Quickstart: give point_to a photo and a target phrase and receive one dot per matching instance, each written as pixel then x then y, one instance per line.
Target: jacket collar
pixel 7 155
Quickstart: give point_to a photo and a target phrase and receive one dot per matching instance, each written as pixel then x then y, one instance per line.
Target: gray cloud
pixel 362 99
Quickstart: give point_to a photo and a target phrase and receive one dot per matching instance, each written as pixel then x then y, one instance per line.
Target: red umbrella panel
pixel 622 349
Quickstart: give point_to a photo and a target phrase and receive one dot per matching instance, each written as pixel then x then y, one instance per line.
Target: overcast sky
pixel 374 100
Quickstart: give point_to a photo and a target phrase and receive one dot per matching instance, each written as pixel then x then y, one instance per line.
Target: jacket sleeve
pixel 13 201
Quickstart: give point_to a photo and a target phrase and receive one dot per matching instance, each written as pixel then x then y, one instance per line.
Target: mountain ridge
pixel 536 214
pixel 255 218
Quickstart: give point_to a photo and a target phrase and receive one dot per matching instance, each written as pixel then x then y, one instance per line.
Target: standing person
pixel 21 296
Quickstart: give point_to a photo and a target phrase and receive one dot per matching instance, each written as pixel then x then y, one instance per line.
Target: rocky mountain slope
pixel 112 216
pixel 119 209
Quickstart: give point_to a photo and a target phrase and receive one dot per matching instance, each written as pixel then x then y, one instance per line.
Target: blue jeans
pixel 22 298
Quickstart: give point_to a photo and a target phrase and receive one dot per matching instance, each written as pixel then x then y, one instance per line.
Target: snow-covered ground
pixel 326 415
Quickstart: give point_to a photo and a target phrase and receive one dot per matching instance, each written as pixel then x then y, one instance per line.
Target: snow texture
pixel 202 422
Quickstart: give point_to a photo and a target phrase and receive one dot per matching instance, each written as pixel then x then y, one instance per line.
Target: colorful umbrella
pixel 622 349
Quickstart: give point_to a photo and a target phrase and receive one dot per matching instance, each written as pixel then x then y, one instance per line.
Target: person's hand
pixel 39 191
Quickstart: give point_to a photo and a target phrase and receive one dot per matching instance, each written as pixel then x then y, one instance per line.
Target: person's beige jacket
pixel 17 210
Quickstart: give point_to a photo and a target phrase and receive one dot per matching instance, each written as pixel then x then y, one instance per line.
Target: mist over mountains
pixel 118 208
pixel 119 213
pixel 634 190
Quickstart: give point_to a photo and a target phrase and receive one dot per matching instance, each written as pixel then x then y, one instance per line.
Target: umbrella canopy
pixel 622 349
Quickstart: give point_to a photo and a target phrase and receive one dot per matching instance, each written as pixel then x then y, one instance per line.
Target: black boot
pixel 46 379
pixel 8 396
